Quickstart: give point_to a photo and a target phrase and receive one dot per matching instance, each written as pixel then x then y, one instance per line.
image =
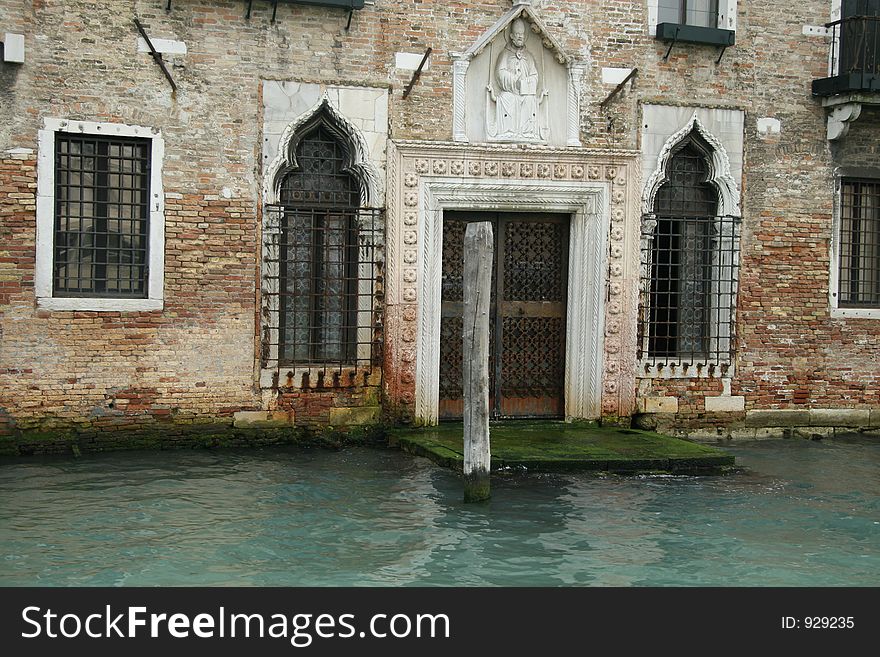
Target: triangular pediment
pixel 520 9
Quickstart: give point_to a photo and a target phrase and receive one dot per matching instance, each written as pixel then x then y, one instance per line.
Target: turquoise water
pixel 804 513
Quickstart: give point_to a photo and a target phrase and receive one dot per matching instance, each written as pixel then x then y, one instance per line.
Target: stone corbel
pixel 459 92
pixel 575 76
pixel 839 119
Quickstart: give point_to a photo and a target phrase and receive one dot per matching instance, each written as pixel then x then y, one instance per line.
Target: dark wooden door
pixel 527 321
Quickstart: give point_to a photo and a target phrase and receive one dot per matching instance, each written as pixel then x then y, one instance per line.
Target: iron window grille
pixel 101 216
pixel 323 264
pixel 859 244
pixel 700 13
pixel 690 266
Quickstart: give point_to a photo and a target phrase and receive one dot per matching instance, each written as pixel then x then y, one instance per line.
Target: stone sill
pixel 773 433
pixel 94 304
pixel 815 417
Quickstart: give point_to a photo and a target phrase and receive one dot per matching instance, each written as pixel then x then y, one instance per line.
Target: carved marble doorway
pixel 527 314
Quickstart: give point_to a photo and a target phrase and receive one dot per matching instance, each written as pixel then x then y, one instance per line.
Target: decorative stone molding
pixel 600 363
pixel 361 166
pixel 587 203
pixel 575 74
pixel 720 175
pixel 459 91
pixel 524 10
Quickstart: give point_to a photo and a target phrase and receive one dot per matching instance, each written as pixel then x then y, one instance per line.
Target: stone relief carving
pixel 515 109
pixel 516 84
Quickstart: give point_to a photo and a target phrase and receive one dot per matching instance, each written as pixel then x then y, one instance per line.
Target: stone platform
pixel 561 447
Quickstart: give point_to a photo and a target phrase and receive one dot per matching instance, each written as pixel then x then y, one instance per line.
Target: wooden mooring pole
pixel 477 280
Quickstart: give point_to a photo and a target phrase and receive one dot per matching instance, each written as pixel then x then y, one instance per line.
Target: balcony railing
pixel 855 57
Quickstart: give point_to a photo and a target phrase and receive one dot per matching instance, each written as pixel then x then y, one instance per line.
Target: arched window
pixel 691 263
pixel 318 255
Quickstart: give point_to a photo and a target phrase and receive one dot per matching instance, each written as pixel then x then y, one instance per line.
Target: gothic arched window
pixel 318 255
pixel 690 264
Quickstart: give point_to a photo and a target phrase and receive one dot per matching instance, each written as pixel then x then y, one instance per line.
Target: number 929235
pixel 819 623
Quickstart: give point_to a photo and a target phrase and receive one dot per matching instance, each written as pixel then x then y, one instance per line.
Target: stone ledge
pixel 263 419
pixel 778 418
pixel 813 417
pixel 839 417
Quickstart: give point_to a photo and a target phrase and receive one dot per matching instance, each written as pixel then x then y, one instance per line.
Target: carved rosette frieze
pixel 421 165
pixel 621 309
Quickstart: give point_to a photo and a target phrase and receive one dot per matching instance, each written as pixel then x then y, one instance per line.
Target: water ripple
pixel 803 513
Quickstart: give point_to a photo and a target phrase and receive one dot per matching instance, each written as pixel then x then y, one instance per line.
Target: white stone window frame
pixel 834 279
pixel 724 181
pixel 45 246
pixel 365 170
pixel 726 15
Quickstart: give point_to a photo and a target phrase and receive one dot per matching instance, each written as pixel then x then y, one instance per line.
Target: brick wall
pixel 194 360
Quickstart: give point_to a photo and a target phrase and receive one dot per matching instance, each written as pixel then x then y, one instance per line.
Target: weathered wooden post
pixel 478 248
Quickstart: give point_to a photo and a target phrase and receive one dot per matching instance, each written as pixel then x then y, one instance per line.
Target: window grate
pixel 101 216
pixel 690 259
pixel 323 268
pixel 325 282
pixel 859 273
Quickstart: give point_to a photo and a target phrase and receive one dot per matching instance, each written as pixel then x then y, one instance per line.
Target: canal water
pixel 803 513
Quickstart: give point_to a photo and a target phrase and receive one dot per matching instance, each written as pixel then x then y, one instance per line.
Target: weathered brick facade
pixel 197 361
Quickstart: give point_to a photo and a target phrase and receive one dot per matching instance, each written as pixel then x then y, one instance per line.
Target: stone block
pixel 874 419
pixel 778 418
pixel 839 417
pixel 13 48
pixel 354 416
pixel 658 405
pixel 263 419
pixel 725 404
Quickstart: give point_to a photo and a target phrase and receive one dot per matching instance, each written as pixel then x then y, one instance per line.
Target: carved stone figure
pixel 517 103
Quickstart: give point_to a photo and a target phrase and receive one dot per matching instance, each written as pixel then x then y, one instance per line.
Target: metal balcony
pixel 855 57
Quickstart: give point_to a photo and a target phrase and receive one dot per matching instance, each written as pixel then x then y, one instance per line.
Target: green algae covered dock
pixel 561 447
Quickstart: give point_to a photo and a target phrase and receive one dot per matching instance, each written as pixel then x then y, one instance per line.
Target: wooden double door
pixel 527 314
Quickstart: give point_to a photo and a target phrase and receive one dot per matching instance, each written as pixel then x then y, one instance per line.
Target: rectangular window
pixel 699 13
pixel 100 217
pixel 859 244
pixel 101 232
